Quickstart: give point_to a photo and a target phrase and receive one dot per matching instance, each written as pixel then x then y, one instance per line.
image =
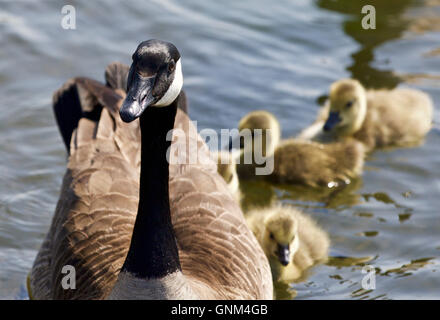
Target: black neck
pixel 153 249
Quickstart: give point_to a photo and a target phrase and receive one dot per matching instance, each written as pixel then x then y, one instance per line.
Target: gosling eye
pixel 271 236
pixel 171 66
pixel 349 104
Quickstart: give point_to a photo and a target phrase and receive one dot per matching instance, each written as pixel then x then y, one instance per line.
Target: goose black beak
pixel 138 98
pixel 332 120
pixel 284 254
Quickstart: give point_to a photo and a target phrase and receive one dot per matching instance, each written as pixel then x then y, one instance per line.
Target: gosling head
pixel 348 106
pixel 269 133
pixel 280 237
pixel 155 78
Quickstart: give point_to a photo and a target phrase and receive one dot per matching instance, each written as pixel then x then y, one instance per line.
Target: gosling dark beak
pixel 138 98
pixel 284 254
pixel 332 120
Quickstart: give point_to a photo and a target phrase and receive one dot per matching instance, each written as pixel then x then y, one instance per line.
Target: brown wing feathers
pixel 94 216
pixel 116 75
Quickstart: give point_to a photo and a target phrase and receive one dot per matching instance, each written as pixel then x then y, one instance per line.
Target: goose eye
pixel 349 104
pixel 171 66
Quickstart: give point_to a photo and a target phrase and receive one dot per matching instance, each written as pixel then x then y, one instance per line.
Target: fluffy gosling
pixel 291 240
pixel 297 161
pixel 378 118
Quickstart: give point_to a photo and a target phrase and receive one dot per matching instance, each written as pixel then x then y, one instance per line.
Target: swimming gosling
pixel 295 161
pixel 378 118
pixel 292 241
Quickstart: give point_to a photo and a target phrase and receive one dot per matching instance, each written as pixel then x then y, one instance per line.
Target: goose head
pixel 155 78
pixel 348 106
pixel 280 237
pixel 267 137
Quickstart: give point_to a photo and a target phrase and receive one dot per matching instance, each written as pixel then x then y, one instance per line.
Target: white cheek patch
pixel 174 89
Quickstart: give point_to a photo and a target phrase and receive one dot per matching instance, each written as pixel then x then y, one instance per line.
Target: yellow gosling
pixel 291 240
pixel 296 161
pixel 378 118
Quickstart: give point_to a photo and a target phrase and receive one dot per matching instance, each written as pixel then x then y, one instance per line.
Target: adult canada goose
pixel 292 241
pixel 296 160
pixel 378 118
pixel 178 234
